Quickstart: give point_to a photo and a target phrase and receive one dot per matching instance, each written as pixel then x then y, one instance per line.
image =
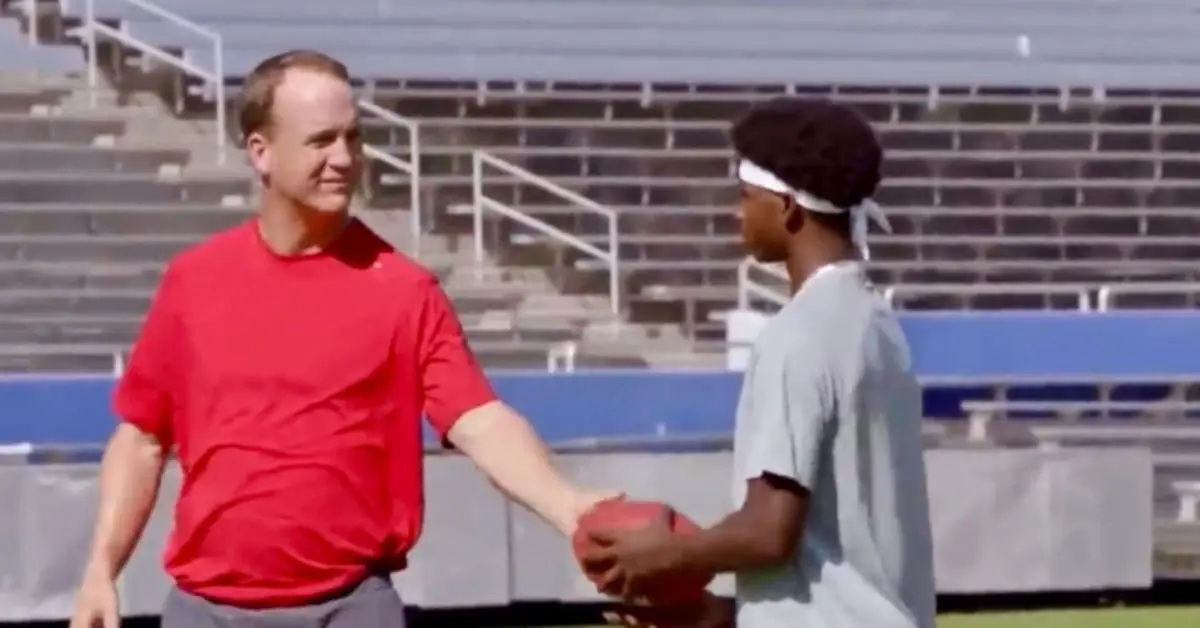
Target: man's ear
pixel 793 214
pixel 258 150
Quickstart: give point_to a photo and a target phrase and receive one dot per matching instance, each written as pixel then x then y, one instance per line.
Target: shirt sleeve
pixel 451 379
pixel 792 407
pixel 143 394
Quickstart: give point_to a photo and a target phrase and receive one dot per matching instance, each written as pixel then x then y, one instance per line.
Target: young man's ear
pixel 793 214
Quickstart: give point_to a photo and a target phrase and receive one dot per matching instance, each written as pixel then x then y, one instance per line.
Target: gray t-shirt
pixel 830 400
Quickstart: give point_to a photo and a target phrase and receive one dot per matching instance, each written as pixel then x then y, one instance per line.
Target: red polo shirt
pixel 292 389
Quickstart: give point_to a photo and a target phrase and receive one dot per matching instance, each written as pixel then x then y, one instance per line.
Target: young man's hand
pixel 632 559
pixel 711 612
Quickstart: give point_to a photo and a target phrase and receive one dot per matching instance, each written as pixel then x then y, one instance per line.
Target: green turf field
pixel 1175 617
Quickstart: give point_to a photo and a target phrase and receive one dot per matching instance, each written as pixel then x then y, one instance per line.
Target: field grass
pixel 1173 617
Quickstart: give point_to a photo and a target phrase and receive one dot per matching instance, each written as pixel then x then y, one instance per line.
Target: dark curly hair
pixel 823 148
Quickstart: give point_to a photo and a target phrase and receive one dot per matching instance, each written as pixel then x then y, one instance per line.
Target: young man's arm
pixel 792 407
pixel 463 408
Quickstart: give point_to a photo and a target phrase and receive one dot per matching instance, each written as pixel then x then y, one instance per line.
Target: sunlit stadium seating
pixel 1048 162
pixel 1032 164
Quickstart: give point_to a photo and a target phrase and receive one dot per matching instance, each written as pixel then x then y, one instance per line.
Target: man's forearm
pixel 734 544
pixel 504 446
pixel 129 478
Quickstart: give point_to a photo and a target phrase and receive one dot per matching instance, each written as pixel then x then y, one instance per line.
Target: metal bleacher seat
pixel 1024 149
pixel 15 55
pixel 1167 426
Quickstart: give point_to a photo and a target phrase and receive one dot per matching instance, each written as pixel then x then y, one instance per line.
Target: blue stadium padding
pixel 961 356
pixel 1048 346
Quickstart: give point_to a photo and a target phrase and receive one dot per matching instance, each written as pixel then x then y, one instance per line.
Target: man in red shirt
pixel 287 362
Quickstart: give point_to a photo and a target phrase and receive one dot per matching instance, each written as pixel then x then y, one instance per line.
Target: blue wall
pixel 954 352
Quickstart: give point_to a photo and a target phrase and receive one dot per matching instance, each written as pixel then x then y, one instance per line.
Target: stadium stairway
pixel 1021 194
pixel 94 201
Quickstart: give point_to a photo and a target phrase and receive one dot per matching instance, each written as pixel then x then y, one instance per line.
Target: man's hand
pixel 632 559
pixel 711 612
pixel 585 499
pixel 96 603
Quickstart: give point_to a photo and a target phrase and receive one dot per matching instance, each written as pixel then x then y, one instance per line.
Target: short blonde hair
pixel 258 90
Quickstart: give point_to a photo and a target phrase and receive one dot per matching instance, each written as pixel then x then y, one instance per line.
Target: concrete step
pixel 496 281
pixel 73 158
pixel 18 100
pixel 65 358
pixel 39 302
pixel 684 360
pixel 143 249
pixel 581 307
pixel 80 100
pixel 81 219
pixel 69 329
pixel 34 80
pixel 24 128
pixel 49 187
pixel 87 275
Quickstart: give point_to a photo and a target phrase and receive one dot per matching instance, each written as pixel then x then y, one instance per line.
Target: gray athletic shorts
pixel 372 604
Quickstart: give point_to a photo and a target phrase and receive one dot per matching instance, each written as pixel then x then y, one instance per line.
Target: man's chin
pixel 332 204
pixel 763 257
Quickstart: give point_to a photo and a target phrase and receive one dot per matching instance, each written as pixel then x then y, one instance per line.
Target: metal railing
pixel 32 17
pixel 747 287
pixel 1104 296
pixel 411 167
pixel 215 78
pixel 1089 297
pixel 560 358
pixel 482 203
pixel 1082 293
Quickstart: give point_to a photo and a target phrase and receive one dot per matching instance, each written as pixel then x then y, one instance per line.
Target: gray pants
pixel 373 604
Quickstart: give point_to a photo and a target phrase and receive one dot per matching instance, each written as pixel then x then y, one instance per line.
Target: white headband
pixel 861 215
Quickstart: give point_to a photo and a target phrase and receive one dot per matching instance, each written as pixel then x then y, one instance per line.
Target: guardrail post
pixel 219 93
pixel 31 14
pixel 477 209
pixel 93 70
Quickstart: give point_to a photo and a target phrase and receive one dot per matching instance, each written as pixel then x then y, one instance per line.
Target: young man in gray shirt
pixel 832 522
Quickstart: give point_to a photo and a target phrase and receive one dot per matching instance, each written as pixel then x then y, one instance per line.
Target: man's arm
pixel 130 473
pixel 504 446
pixel 779 461
pixel 463 408
pixel 133 461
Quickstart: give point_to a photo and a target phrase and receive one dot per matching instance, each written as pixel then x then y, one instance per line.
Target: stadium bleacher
pixel 1019 180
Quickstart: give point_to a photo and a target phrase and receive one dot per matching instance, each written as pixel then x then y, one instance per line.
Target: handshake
pixel 632 550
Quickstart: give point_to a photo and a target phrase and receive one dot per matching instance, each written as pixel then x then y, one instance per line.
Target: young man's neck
pixel 289 229
pixel 806 258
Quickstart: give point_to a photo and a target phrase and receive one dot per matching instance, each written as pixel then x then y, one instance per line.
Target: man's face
pixel 311 153
pixel 764 217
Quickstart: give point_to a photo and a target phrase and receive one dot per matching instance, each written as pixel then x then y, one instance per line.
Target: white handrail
pixel 1106 293
pixel 1082 292
pixel 411 167
pixel 31 15
pixel 216 77
pixel 561 357
pixel 481 202
pixel 747 287
pixel 118 363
